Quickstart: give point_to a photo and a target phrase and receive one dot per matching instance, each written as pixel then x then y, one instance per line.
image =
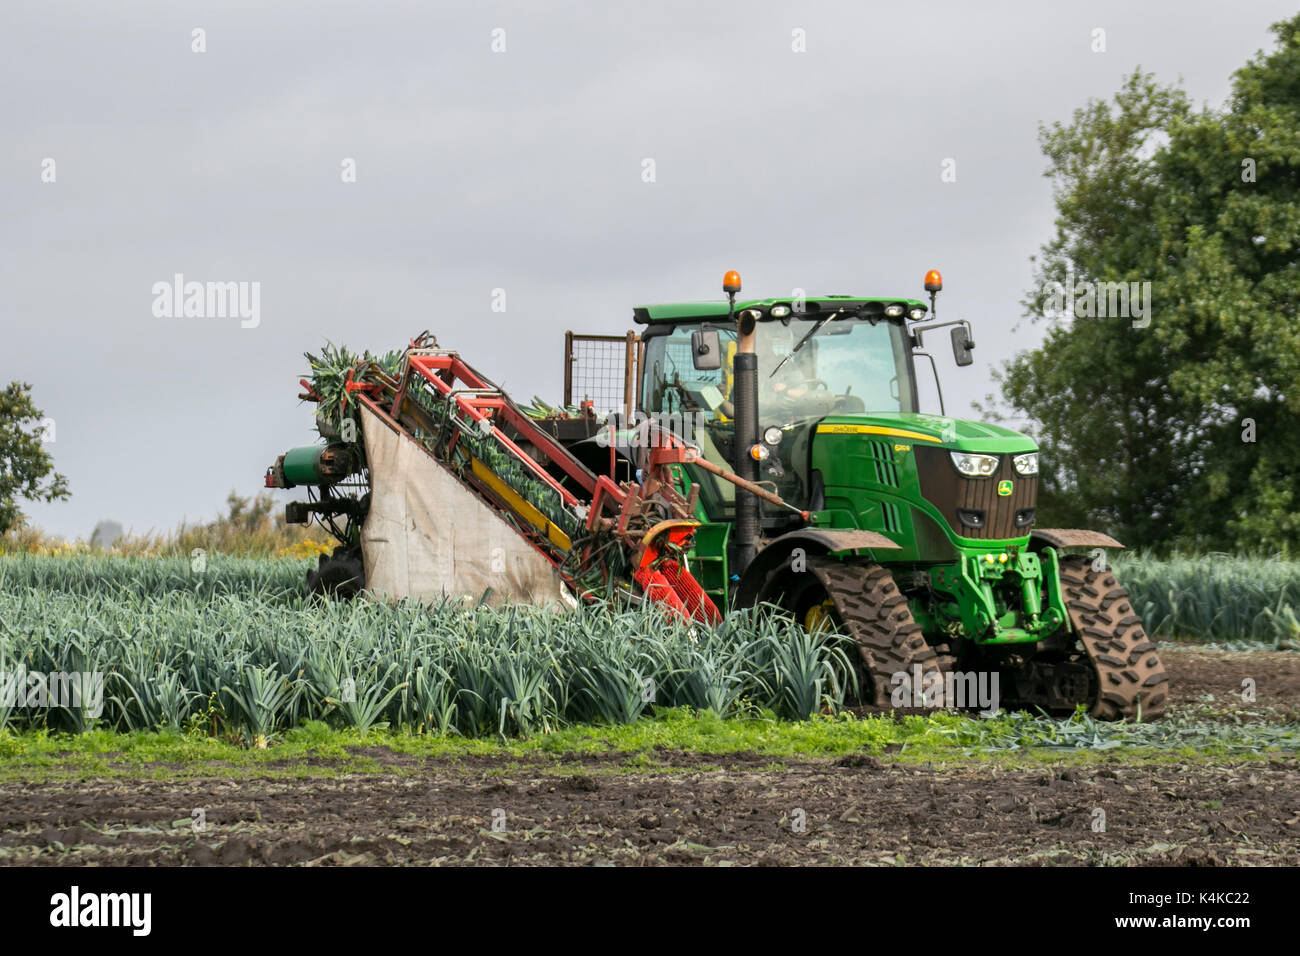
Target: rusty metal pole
pixel 629 375
pixel 568 369
pixel 640 365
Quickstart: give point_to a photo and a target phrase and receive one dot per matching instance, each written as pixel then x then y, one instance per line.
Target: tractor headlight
pixel 1026 464
pixel 975 466
pixel 916 313
pixel 760 452
pixel 894 311
pixel 780 311
pixel 773 436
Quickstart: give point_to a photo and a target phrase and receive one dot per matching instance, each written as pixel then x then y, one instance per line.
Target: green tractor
pixel 914 533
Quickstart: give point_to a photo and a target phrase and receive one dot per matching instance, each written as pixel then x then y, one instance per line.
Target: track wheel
pixel 864 600
pixel 341 575
pixel 1132 682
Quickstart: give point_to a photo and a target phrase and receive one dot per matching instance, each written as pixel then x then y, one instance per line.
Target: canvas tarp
pixel 427 535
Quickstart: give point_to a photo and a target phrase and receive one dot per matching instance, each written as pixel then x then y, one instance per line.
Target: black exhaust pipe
pixel 744 394
pixel 746 401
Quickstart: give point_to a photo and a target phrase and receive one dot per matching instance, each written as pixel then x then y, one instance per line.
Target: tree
pixel 1142 422
pixel 1229 222
pixel 26 470
pixel 1092 390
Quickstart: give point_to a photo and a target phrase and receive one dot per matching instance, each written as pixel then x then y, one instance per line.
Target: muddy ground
pixel 735 809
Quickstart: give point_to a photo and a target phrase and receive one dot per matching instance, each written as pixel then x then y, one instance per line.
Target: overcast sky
pixel 519 170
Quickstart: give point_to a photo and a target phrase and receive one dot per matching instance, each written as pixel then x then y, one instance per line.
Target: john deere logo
pixel 1004 488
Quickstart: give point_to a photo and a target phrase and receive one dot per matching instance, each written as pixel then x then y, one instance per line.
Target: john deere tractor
pixel 915 533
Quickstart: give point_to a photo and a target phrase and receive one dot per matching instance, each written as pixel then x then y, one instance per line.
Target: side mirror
pixel 961 346
pixel 706 350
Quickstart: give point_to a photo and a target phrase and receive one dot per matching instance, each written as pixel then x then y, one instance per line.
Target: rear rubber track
pixel 1132 682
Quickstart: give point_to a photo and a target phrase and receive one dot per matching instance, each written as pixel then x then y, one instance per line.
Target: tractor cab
pixel 816 357
pixel 836 355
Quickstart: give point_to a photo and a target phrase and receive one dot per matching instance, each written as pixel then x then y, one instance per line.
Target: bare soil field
pixel 671 807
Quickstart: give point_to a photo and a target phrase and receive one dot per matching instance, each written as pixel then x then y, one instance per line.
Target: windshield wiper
pixel 803 341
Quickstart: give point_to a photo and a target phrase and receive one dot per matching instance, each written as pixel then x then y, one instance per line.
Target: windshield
pixel 849 365
pixel 845 366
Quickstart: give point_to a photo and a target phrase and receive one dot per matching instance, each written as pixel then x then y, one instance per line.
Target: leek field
pixel 231 650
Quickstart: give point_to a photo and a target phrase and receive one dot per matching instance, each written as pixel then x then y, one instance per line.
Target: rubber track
pixel 877 616
pixel 1133 682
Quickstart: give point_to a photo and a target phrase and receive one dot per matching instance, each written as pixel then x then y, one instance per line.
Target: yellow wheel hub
pixel 818 617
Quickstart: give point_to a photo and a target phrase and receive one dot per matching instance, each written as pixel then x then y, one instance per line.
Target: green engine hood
pixel 909 428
